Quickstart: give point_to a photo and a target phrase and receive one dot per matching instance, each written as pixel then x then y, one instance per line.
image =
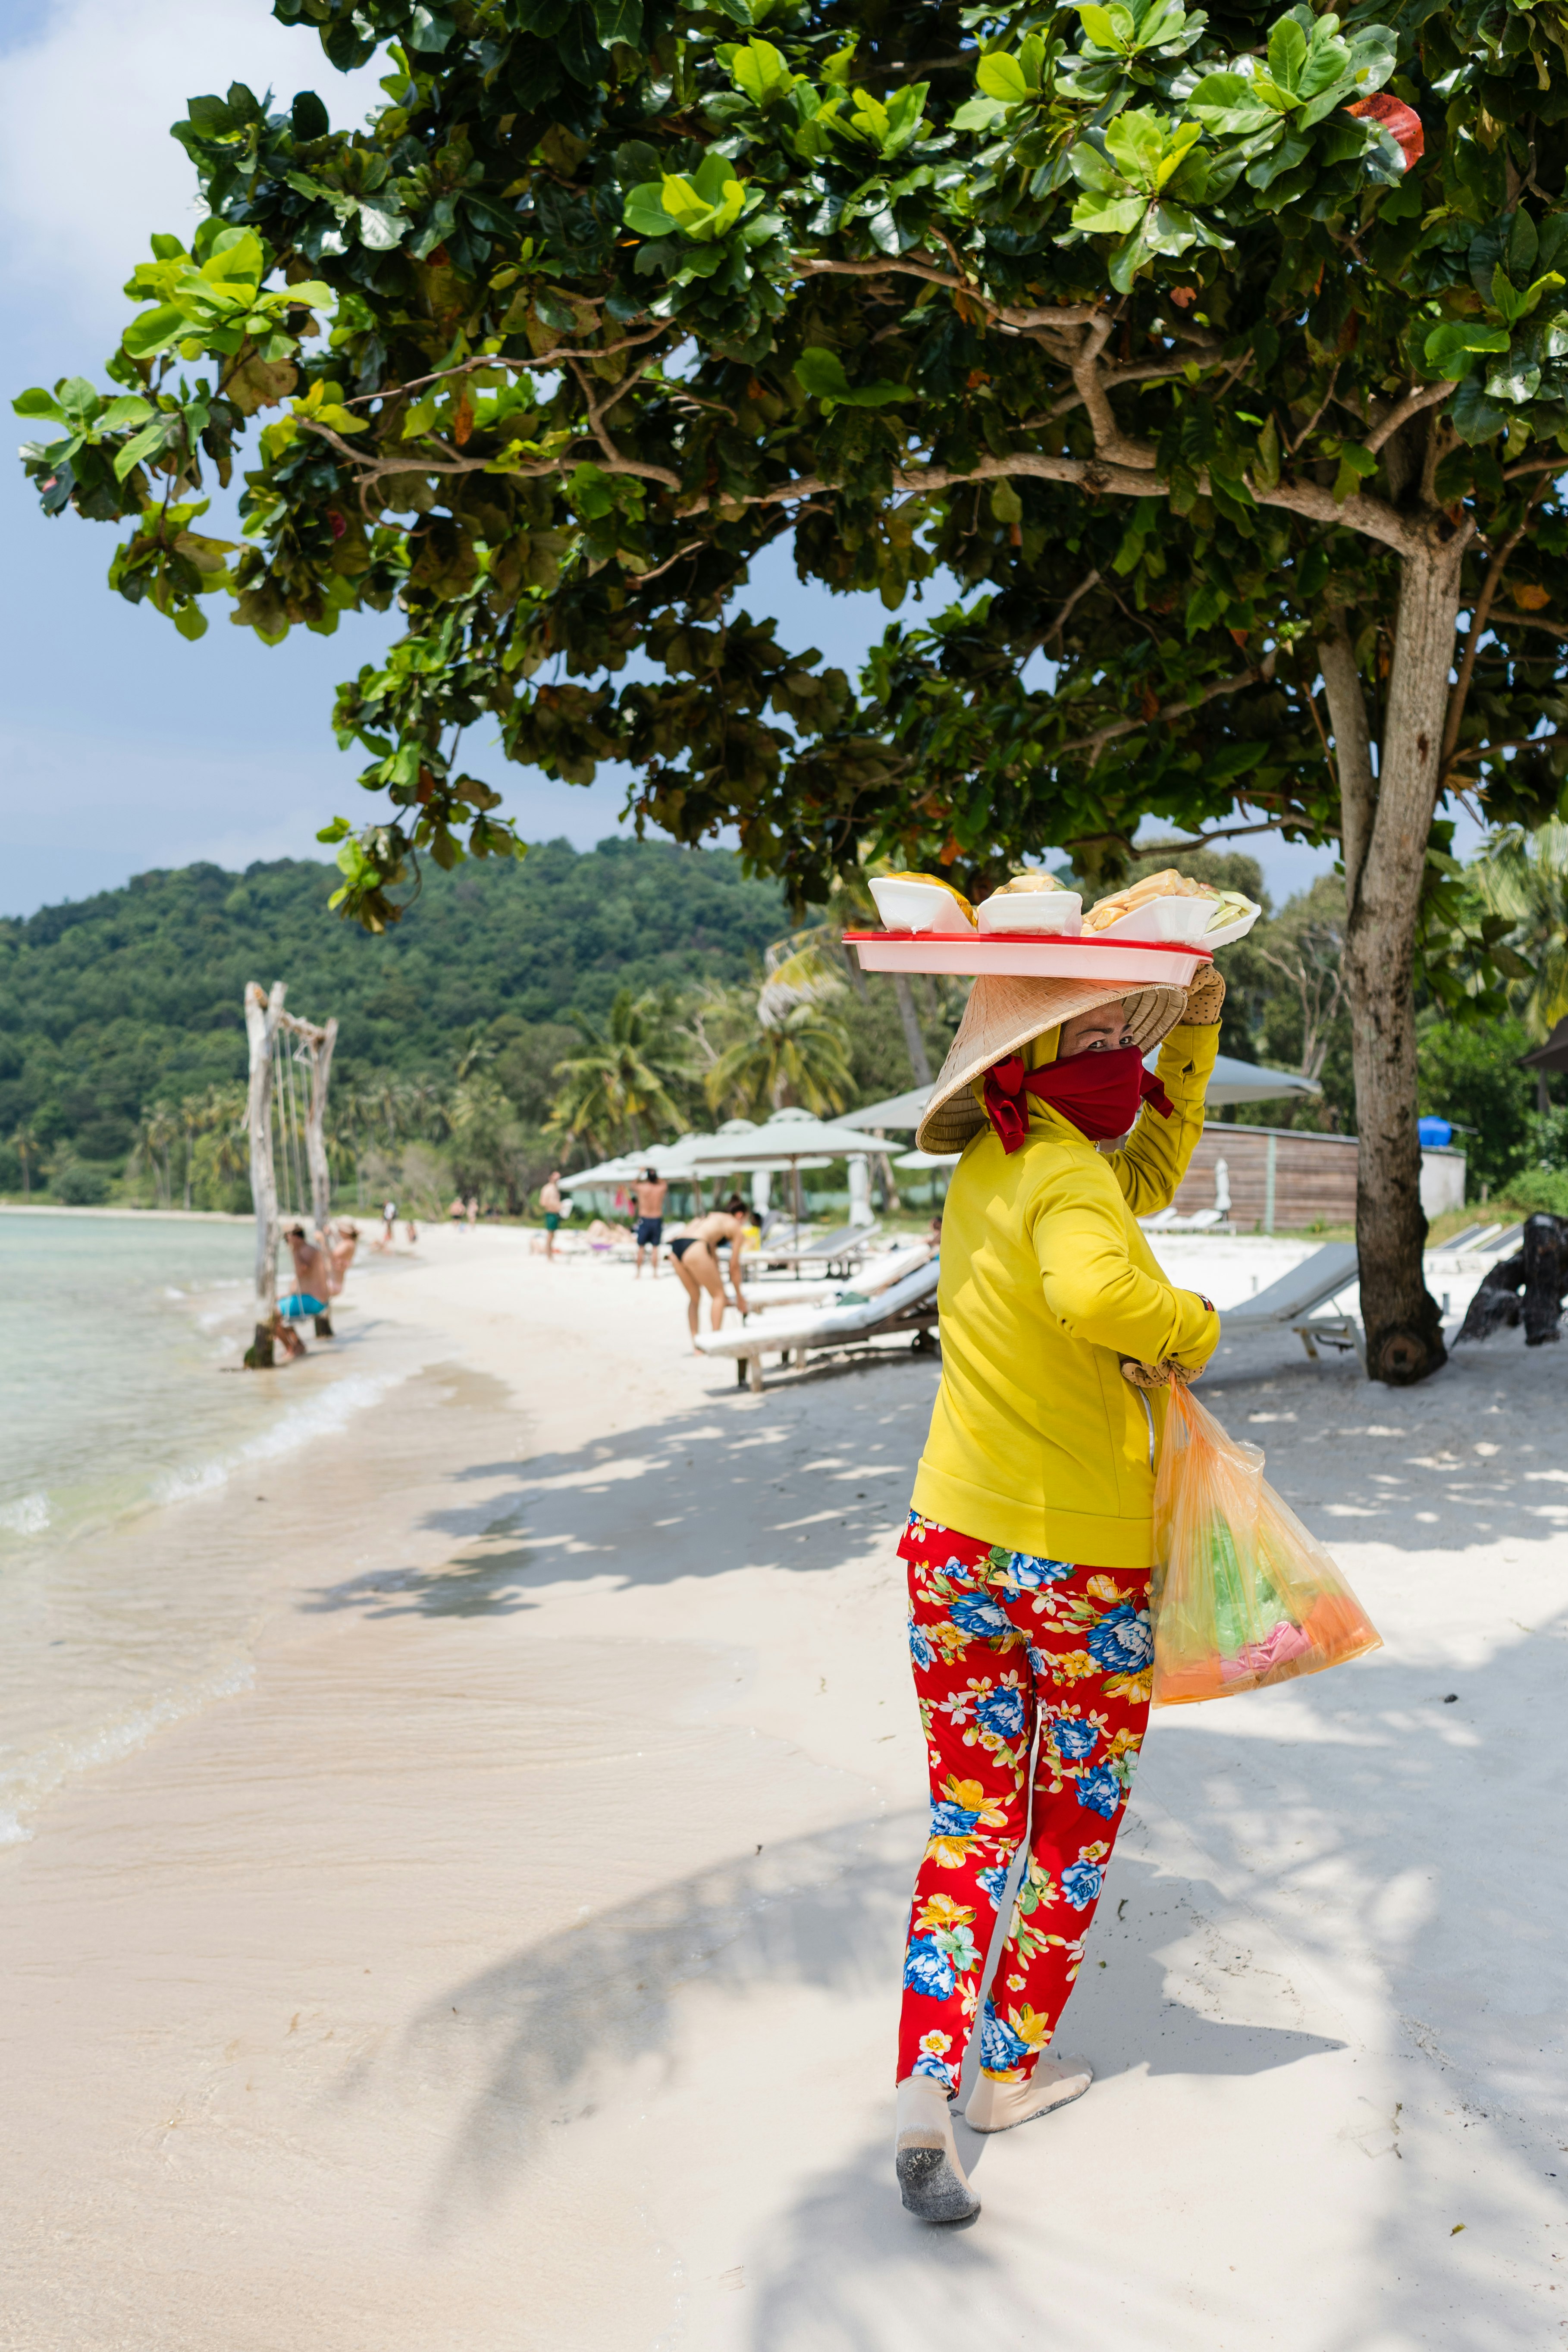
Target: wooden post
pixel 320 1042
pixel 262 1015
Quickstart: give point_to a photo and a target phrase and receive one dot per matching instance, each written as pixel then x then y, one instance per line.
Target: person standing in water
pixel 695 1256
pixel 649 1192
pixel 1029 1543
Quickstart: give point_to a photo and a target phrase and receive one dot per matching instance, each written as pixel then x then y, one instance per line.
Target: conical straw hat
pixel 1003 1015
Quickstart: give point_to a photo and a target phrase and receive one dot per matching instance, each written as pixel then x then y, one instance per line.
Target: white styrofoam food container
pixel 1058 912
pixel 912 906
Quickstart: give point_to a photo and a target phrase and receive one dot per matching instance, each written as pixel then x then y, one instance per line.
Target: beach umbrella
pixel 895 1110
pixel 790 1138
pixel 1248 1082
pixel 927 1160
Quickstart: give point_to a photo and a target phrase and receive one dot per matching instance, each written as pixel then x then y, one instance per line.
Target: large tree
pixel 1226 355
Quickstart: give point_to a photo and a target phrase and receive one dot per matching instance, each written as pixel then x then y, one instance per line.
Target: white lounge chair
pixel 908 1304
pixel 877 1274
pixel 843 1247
pixel 1288 1305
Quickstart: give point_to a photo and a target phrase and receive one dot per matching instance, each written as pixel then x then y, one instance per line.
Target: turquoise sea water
pixel 120 1401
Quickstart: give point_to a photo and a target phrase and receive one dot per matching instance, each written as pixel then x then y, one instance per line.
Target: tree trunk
pixel 1385 828
pixel 261 1017
pixel 914 1040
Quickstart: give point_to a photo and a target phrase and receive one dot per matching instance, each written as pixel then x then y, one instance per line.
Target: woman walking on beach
pixel 695 1255
pixel 1059 1333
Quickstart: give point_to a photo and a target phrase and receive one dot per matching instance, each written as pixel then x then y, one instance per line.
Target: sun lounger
pixel 1288 1304
pixel 841 1248
pixel 908 1304
pixel 877 1274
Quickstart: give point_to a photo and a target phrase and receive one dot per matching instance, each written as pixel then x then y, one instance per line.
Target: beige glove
pixel 1160 1375
pixel 1206 998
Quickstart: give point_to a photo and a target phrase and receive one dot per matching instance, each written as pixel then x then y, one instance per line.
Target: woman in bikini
pixel 696 1255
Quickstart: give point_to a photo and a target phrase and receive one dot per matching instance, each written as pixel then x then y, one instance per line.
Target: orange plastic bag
pixel 1243 1596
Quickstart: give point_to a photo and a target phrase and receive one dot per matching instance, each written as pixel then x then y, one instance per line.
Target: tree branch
pixel 1096 743
pixel 1530 621
pixel 496 360
pixel 1090 579
pixel 1489 586
pixel 1312 423
pixel 906 266
pixel 1411 405
pixel 1508 743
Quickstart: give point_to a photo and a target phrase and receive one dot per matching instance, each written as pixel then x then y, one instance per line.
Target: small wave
pixel 183 1485
pixel 39 1775
pixel 318 1416
pixel 323 1416
pixel 29 1516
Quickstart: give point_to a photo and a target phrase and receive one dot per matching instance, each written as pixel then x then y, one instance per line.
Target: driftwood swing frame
pixel 266 1023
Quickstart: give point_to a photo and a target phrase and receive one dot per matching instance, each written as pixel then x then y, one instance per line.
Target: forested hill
pixel 112 1001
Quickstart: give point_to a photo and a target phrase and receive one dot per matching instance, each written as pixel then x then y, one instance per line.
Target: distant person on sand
pixel 695 1255
pixel 649 1192
pixel 388 1225
pixel 551 1202
pixel 1030 1544
pixel 411 1232
pixel 456 1212
pixel 473 1211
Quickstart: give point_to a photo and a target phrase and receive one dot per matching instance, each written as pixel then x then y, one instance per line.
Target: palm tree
pixel 1524 877
pixel 24 1144
pixel 802 1057
pixel 619 1086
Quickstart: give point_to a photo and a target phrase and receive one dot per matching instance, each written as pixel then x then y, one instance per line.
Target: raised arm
pixel 1154 1161
pixel 1096 1291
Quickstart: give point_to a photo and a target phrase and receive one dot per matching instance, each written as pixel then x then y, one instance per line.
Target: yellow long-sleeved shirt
pixel 1036 1441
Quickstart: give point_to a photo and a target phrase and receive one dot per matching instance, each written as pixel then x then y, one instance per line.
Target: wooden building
pixel 1281 1179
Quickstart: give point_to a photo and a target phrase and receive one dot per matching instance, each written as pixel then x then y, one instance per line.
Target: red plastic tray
pixel 1030 955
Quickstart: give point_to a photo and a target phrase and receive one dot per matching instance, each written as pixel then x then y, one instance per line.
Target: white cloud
pixel 88 170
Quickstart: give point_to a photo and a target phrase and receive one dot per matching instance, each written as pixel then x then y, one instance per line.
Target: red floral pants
pixel 1003 1643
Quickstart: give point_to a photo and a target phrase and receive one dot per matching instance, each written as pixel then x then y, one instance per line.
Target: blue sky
pixel 122 747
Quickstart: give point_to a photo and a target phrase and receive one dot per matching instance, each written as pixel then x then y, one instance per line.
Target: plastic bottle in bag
pixel 1243 1596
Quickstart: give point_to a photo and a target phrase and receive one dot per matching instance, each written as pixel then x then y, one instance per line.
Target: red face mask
pixel 1101 1093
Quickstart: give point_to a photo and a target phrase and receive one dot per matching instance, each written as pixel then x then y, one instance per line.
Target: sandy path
pixel 513 1966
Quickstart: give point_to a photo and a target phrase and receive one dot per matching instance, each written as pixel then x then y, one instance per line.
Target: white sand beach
pixel 511 1960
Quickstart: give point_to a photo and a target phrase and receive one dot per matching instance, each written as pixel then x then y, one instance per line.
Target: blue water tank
pixel 1434 1132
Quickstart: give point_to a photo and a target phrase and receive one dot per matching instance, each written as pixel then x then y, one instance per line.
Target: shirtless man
pixel 314 1281
pixel 696 1256
pixel 550 1200
pixel 649 1193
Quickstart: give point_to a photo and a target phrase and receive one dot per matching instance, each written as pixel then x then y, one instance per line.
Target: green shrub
pixel 79 1185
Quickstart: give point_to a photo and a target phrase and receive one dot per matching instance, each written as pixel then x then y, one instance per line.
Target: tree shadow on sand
pixel 723 1484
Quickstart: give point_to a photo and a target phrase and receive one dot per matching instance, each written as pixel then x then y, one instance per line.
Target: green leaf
pixel 309 116
pixel 1228 105
pixel 1287 54
pixel 142 445
pixel 1005 504
pixel 1001 76
pixel 643 210
pixel 36 402
pixel 129 409
pixel 1516 379
pixel 760 70
pixel 155 329
pixel 1458 339
pixel 191 622
pixel 820 373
